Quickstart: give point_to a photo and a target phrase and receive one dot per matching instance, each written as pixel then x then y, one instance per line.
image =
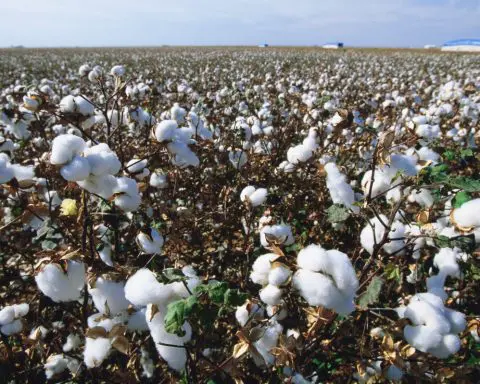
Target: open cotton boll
pixel 299 154
pixel 65 148
pixel 283 232
pixel 12 328
pixel 67 104
pixel 449 345
pixel 248 311
pixel 158 180
pixel 126 193
pixel 255 197
pixel 261 268
pixel 136 165
pixel 84 106
pixel 183 155
pixel 271 295
pixel 423 197
pixel 101 185
pixel 102 160
pixel 175 357
pixel 72 343
pixel 57 364
pixel 279 275
pixel 137 321
pixel 165 130
pixel 7 315
pixel 446 261
pixel 371 236
pixel 61 286
pixel 468 214
pixel 287 167
pixel 268 341
pixel 6 172
pixel 178 113
pixel 108 296
pixel 84 69
pixel 142 289
pixel 150 244
pixel 117 70
pixel 21 309
pixel 340 191
pixel 96 351
pixel 78 169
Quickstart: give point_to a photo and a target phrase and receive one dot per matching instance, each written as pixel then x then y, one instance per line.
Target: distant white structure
pixel 430 46
pixel 333 45
pixel 462 45
pixel 265 45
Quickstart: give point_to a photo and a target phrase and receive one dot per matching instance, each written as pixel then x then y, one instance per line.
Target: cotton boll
pixel 72 343
pixel 271 295
pixel 117 70
pixel 282 232
pixel 67 104
pixel 108 296
pixel 21 309
pixel 158 180
pixel 96 351
pixel 178 113
pixel 78 169
pixel 446 261
pixel 313 258
pixel 261 268
pixel 84 106
pixel 137 321
pixel 279 275
pixel 100 185
pixel 105 254
pixel 267 342
pixel 55 365
pixel 457 320
pixel 7 315
pixel 176 358
pixel 102 160
pixel 449 345
pixel 422 337
pixel 247 311
pixel 246 192
pixel 150 244
pixel 299 154
pixel 340 191
pixel 127 197
pixel 467 215
pixel 12 328
pixel 65 147
pixel 60 286
pixel 423 197
pixel 142 289
pixel 165 130
pixel 238 158
pixel 254 196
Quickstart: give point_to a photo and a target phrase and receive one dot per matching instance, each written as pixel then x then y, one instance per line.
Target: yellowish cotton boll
pixel 68 208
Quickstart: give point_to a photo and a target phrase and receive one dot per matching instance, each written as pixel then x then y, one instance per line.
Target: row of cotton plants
pixel 232 216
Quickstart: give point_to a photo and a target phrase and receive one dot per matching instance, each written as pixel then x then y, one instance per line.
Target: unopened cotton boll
pixel 61 286
pixel 150 244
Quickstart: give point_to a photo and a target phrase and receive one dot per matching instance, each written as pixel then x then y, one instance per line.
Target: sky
pixel 382 23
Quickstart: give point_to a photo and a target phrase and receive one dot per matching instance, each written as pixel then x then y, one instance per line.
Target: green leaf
pixel 466 243
pixel 234 298
pixel 337 213
pixel 461 198
pixel 372 293
pixel 175 317
pixel 170 275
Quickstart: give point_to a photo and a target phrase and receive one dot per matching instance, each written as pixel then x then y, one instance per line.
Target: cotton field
pixel 239 215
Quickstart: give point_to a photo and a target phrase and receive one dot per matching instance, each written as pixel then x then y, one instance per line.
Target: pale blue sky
pixel 404 23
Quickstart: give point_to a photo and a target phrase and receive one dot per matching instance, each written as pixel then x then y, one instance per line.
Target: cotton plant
pixel 326 278
pixel 446 260
pixel 11 318
pixel 376 229
pixel 58 363
pixel 24 175
pixel 279 234
pixel 158 180
pixel 434 328
pixel 138 168
pixel 301 153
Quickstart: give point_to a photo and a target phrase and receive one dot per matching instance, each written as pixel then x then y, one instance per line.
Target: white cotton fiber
pixel 165 130
pixel 12 328
pixel 340 191
pixel 271 295
pixel 371 236
pixel 108 296
pixel 127 197
pixel 254 196
pixel 261 268
pixel 142 289
pixel 326 278
pixel 175 357
pixel 283 233
pixel 60 286
pixel 102 160
pixel 248 311
pixel 279 275
pixel 449 345
pixel 65 147
pixel 150 244
pixel 72 343
pixel 7 315
pixel 468 215
pixel 268 341
pixel 158 180
pixel 76 170
pixel 96 351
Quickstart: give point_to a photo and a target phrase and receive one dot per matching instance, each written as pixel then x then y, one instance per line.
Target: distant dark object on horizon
pixel 17 46
pixel 336 45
